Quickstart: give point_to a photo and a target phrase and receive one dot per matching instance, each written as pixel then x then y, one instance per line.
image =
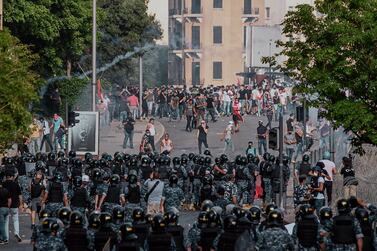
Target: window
pixel 267 12
pixel 195 37
pixel 217 70
pixel 217 34
pixel 195 73
pixel 247 7
pixel 196 6
pixel 256 11
pixel 244 36
pixel 217 4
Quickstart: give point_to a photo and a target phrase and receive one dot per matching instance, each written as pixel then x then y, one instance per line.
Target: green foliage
pixel 17 89
pixel 126 25
pixel 57 30
pixel 71 90
pixel 332 50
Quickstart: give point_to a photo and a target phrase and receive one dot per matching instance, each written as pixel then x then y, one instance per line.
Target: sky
pixel 160 8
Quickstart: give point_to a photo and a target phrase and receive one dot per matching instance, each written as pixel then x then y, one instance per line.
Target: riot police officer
pixel 132 195
pixel 129 240
pixel 265 172
pixel 105 232
pixel 210 231
pixel 159 239
pixel 114 195
pixel 176 230
pixel 80 198
pixel 243 178
pixel 346 233
pixel 140 225
pixel 362 215
pixel 56 194
pixel 172 194
pixel 76 236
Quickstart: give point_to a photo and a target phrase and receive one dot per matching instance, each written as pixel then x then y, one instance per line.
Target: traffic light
pixel 72 118
pixel 273 139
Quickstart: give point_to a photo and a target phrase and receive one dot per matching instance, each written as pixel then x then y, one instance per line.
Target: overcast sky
pixel 160 7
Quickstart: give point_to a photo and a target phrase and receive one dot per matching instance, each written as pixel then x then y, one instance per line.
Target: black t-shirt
pixel 162 98
pixel 290 124
pixel 209 102
pixel 202 133
pixel 15 191
pixel 4 196
pixel 243 94
pixel 129 124
pixel 261 130
pixel 347 172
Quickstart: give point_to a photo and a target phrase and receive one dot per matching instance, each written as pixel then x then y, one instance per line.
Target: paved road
pixel 184 142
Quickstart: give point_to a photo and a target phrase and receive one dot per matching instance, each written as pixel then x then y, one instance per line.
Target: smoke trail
pixel 107 66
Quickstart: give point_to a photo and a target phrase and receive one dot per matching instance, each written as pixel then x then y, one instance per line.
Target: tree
pixel 331 49
pixel 126 25
pixel 58 31
pixel 17 89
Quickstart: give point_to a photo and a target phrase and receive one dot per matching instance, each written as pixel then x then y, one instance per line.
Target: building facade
pixel 207 39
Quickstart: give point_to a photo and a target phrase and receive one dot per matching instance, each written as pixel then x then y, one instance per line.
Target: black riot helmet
pixel 173 180
pixel 49 225
pixel 76 219
pixel 266 156
pixel 269 208
pixel 230 223
pixel 362 214
pixel 105 218
pixel 217 161
pixel 305 158
pixel 94 221
pixel 51 156
pixel 88 156
pixel 255 214
pixel 45 213
pixel 171 218
pixel 275 219
pixel 207 180
pixel 64 214
pixel 61 154
pixel 133 162
pixel 128 231
pixel 243 161
pixel 115 179
pixel 256 160
pixel 41 166
pixel 207 161
pixel 118 213
pixel 343 206
pixel 202 220
pixel 126 157
pixel 166 160
pixel 96 174
pixel 325 213
pixel 77 181
pixel 176 161
pixel 191 156
pixel 237 160
pixel 206 205
pixel 214 218
pixel 201 161
pixel 207 152
pixel 146 161
pixel 63 161
pixel 224 158
pixel 250 157
pixel 132 179
pixel 72 154
pixel 238 212
pixel 286 160
pixel 305 210
pixel 138 215
pixel 158 223
pixel 184 160
pixel 272 158
pixel 58 177
pixel 38 156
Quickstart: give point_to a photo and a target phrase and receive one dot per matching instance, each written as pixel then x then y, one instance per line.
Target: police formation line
pixel 118 191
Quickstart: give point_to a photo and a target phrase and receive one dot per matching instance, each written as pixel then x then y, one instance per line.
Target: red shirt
pixel 133 101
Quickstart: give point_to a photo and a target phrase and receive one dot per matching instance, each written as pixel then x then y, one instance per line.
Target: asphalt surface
pixel 184 142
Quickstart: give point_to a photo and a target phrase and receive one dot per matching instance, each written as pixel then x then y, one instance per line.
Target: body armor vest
pixel 55 193
pixel 75 239
pixel 307 230
pixel 343 232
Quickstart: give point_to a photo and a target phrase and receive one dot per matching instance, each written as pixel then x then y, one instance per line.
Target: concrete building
pixel 207 39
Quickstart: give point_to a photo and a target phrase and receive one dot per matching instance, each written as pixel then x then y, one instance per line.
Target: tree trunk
pixel 69 68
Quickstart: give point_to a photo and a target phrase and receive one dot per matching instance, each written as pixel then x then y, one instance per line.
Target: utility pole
pixel 94 55
pixel 183 61
pixel 1 15
pixel 141 84
pixel 281 139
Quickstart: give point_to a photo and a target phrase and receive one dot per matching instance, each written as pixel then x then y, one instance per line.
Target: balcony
pixel 193 15
pixel 250 15
pixel 193 50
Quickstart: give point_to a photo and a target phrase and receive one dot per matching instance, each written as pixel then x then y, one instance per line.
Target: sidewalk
pixel 111 137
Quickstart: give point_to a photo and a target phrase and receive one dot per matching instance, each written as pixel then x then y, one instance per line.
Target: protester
pixel 202 135
pixel 128 125
pixel 166 145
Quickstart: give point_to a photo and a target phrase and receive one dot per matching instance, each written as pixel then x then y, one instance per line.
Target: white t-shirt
pixel 228 132
pixel 226 97
pixel 320 195
pixel 329 166
pixel 46 128
pixel 152 130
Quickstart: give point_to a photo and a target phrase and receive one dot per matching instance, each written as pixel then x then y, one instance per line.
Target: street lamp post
pixel 141 84
pixel 94 55
pixel 281 138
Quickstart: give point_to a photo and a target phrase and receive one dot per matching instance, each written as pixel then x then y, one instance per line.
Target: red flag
pixel 99 90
